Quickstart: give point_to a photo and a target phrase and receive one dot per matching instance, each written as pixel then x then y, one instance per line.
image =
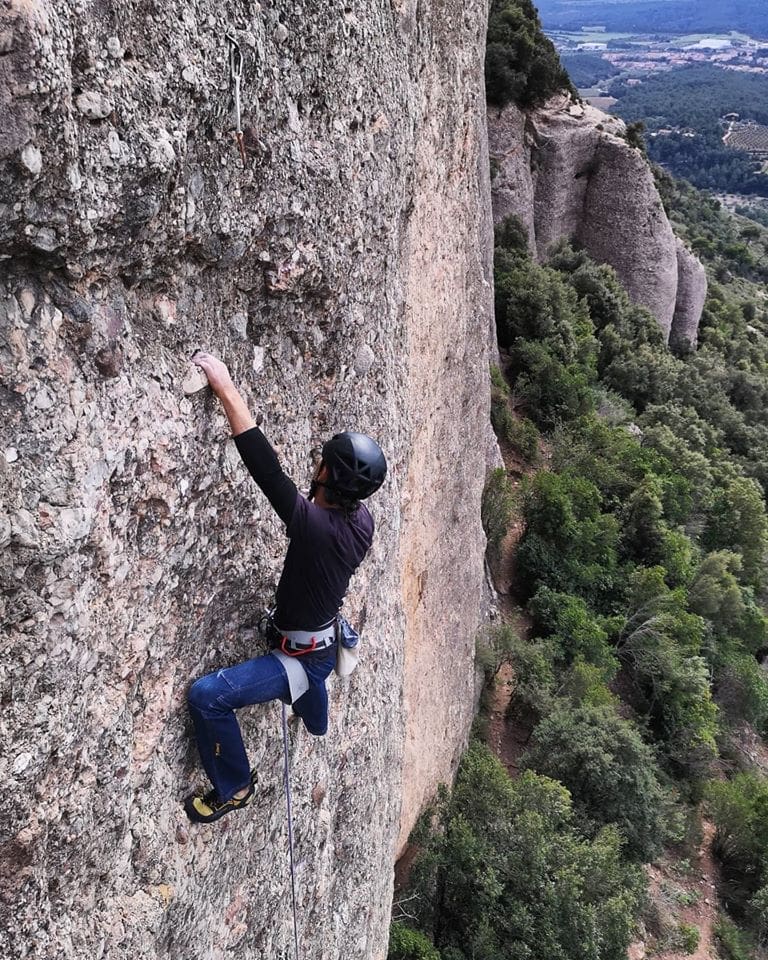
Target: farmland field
pixel 752 137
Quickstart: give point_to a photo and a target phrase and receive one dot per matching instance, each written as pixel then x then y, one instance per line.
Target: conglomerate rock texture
pixel 691 294
pixel 341 271
pixel 565 170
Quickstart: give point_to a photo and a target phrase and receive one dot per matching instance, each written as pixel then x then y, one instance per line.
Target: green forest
pixel 642 572
pixel 642 567
pixel 695 96
pixel 694 99
pixel 587 69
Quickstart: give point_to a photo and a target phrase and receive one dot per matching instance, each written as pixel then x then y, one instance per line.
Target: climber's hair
pixel 347 505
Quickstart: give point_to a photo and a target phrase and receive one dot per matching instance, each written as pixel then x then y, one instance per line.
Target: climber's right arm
pixel 261 460
pixel 220 381
pixel 254 448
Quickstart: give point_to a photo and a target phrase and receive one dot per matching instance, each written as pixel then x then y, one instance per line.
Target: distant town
pixel 637 54
pixel 635 57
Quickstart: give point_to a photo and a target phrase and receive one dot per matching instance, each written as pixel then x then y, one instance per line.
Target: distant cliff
pixel 565 170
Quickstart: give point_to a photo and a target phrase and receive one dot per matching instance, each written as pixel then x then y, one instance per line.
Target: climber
pixel 330 532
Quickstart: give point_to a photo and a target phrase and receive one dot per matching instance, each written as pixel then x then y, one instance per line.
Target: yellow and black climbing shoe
pixel 205 808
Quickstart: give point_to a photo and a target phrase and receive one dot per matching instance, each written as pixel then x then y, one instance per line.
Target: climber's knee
pixel 203 693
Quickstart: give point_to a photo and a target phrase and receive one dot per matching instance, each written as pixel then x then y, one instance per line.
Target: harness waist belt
pixel 304 641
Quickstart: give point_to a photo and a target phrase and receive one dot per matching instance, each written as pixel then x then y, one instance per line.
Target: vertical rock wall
pixel 339 273
pixel 448 306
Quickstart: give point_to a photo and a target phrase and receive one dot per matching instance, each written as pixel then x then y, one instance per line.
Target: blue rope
pixel 287 778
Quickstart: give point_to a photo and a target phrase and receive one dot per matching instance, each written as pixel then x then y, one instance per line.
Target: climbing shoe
pixel 205 808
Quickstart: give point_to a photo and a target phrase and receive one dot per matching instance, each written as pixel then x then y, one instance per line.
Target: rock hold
pixel 364 360
pixel 94 105
pixel 109 361
pixel 32 159
pixel 195 381
pixel 23 529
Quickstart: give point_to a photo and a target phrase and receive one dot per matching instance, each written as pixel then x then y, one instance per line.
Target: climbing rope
pixel 287 777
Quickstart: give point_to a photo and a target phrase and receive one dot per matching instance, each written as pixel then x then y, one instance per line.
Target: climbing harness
pixel 288 646
pixel 289 808
pixel 294 643
pixel 235 76
pixel 298 682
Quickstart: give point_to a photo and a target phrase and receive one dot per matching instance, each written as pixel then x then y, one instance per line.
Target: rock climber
pixel 330 532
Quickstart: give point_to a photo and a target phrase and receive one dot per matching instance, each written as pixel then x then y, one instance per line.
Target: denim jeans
pixel 214 698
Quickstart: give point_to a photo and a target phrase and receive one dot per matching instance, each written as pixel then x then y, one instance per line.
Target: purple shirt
pixel 326 546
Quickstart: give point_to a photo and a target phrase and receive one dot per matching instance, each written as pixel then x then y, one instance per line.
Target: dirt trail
pixel 699 884
pixel 507 739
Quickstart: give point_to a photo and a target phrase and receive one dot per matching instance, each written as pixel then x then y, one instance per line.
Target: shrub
pixel 611 774
pixel 739 809
pixel 585 683
pixel 505 873
pixel 661 647
pixel 610 456
pixel 521 434
pixel 741 688
pixel 635 136
pixel 534 303
pixel 686 939
pixel 569 544
pixel 715 592
pixel 495 647
pixel 501 415
pixel 573 630
pixel 496 507
pixel 733 943
pixel 552 391
pixel 408 944
pixel 511 234
pixel 738 522
pixel 534 679
pixel 521 63
pixel 643 527
pixel 523 437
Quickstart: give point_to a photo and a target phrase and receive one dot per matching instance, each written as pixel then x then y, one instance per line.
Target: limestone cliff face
pixel 343 274
pixel 566 172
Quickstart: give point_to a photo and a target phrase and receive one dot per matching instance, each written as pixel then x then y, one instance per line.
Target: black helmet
pixel 356 465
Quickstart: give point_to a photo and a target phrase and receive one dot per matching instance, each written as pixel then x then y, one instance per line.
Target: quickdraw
pixel 235 76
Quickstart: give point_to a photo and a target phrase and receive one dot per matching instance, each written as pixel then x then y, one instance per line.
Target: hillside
pixel 636 689
pixel 657 16
pixel 629 523
pixel 682 111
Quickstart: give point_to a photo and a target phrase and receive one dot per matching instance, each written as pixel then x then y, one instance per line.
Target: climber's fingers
pixel 214 369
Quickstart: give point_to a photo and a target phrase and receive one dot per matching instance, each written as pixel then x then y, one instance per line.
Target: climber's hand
pixel 215 370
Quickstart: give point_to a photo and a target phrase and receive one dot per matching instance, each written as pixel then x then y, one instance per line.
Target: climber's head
pixel 353 467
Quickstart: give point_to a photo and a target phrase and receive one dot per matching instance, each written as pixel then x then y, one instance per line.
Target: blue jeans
pixel 214 698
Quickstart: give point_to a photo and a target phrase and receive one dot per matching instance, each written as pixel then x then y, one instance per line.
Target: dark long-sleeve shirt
pixel 325 548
